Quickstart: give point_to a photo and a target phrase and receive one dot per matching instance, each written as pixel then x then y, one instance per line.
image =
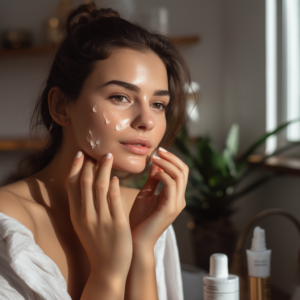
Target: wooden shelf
pixel 20 144
pixel 185 40
pixel 42 49
pixel 47 49
pixel 281 164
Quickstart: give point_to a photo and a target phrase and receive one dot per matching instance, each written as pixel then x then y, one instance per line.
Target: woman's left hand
pixel 152 214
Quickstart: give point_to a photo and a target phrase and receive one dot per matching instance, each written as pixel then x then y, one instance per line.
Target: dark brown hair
pixel 92 35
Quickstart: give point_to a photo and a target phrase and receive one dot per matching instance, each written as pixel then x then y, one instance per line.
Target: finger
pixel 173 171
pixel 174 160
pixel 101 186
pixel 73 187
pixel 86 184
pixel 181 166
pixel 169 192
pixel 151 183
pixel 115 202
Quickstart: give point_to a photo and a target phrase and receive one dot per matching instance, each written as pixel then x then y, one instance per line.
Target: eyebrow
pixel 135 88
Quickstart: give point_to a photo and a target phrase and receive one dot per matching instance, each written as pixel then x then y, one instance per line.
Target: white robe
pixel 26 272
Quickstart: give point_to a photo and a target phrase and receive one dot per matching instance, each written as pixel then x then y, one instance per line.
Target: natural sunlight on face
pixel 121 109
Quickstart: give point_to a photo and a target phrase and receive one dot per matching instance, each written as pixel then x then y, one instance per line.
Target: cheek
pixel 159 130
pixel 98 130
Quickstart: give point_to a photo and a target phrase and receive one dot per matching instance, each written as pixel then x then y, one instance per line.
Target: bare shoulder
pixel 12 205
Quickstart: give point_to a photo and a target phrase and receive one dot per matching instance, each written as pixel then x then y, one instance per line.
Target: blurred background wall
pixel 229 65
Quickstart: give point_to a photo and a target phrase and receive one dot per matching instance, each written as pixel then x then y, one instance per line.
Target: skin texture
pixel 135 114
pixel 103 116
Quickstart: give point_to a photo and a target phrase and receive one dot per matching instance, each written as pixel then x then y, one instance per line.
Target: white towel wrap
pixel 27 273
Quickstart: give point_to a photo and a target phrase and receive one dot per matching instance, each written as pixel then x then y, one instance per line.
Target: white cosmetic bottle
pixel 259 258
pixel 218 284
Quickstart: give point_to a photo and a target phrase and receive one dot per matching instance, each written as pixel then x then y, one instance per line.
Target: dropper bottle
pixel 259 258
pixel 218 284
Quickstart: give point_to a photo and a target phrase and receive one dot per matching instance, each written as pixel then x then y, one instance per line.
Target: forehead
pixel 132 66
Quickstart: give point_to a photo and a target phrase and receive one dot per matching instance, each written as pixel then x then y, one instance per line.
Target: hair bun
pixel 86 13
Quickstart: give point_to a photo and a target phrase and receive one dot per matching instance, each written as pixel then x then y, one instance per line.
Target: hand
pixel 100 221
pixel 152 214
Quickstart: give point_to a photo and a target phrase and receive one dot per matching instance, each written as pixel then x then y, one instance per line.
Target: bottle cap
pixel 218 281
pixel 258 240
pixel 218 265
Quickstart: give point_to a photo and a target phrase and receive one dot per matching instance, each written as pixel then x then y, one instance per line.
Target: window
pixel 291 65
pixel 289 109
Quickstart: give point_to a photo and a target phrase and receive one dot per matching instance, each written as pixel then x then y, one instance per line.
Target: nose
pixel 144 119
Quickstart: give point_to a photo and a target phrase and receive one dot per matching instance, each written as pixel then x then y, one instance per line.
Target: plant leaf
pixel 243 160
pixel 232 140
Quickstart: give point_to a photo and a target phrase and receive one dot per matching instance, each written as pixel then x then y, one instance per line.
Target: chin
pixel 129 169
pixel 132 165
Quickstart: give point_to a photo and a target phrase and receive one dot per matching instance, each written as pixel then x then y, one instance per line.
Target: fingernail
pixel 155 156
pixel 79 153
pixel 115 177
pixel 162 149
pixel 108 155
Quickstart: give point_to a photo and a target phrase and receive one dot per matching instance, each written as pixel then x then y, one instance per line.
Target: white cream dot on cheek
pixel 92 141
pixel 118 127
pixel 124 123
pixel 106 120
pixel 94 108
pixel 92 144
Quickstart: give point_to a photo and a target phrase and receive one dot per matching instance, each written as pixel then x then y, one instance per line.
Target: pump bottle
pixel 258 258
pixel 218 284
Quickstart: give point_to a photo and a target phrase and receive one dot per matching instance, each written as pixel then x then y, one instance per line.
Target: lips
pixel 138 140
pixel 137 145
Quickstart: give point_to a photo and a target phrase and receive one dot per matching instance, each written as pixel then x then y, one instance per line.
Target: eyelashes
pixel 114 97
pixel 119 98
pixel 162 106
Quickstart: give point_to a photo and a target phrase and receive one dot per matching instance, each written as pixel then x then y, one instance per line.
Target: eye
pixel 159 106
pixel 119 98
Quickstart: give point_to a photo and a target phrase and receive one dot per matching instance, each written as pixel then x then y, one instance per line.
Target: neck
pixel 52 179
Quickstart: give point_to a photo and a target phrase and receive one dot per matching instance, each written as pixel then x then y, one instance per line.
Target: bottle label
pixel 223 296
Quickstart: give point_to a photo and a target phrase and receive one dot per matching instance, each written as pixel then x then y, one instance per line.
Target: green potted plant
pixel 213 188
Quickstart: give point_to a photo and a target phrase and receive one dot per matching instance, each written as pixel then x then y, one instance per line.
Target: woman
pixel 114 96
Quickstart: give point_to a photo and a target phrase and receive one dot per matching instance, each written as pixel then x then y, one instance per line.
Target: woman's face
pixel 121 109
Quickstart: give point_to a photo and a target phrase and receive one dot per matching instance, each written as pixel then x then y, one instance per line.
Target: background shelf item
pixel 185 40
pixel 47 49
pixel 20 144
pixel 287 165
pixel 42 49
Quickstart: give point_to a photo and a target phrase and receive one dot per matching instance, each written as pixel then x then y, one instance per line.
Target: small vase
pixel 56 25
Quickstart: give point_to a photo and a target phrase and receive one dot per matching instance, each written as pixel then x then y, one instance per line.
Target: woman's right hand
pixel 98 218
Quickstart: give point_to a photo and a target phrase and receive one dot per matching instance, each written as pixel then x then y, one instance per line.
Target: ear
pixel 57 106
